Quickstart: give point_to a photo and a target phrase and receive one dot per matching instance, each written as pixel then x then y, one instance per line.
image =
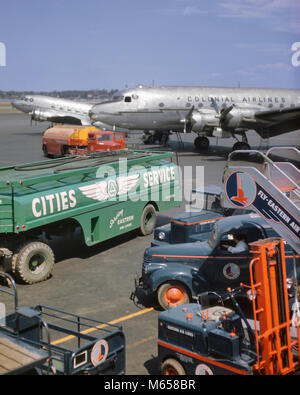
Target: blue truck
pixel 177 273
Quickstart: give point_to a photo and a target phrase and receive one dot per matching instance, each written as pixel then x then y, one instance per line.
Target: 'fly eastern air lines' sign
pixel 243 191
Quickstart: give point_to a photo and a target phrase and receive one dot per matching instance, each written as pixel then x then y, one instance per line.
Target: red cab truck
pixel 66 140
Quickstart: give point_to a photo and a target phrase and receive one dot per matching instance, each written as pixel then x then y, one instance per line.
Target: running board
pixel 273 192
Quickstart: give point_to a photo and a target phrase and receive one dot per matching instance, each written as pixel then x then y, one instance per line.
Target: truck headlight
pixel 161 236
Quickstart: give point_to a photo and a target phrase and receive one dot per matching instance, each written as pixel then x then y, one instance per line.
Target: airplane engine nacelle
pixel 39 115
pixel 236 118
pixel 202 122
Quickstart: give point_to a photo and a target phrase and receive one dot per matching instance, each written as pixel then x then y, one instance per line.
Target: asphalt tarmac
pixel 97 282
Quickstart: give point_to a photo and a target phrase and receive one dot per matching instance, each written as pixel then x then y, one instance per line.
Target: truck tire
pixel 171 295
pixel 33 262
pixel 45 151
pixel 148 220
pixel 172 367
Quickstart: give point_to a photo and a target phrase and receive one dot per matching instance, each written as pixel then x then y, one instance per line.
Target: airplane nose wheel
pixel 201 143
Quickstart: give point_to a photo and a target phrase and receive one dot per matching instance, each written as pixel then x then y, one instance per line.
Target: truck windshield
pixel 105 137
pixel 213 237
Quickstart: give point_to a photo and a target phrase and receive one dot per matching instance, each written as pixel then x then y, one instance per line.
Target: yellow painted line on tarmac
pixel 116 321
pixel 140 342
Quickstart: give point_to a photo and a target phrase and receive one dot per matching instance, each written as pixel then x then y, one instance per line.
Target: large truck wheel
pixel 172 367
pixel 171 295
pixel 45 151
pixel 148 220
pixel 33 262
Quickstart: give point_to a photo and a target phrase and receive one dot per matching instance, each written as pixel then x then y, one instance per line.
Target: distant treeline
pixel 69 94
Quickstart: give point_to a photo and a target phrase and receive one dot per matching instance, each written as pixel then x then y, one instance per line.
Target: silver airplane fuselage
pixel 56 110
pixel 191 108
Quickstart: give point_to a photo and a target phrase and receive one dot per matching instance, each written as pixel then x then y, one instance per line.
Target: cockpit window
pixel 127 99
pixel 117 98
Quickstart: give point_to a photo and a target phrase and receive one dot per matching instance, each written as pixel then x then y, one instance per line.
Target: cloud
pixel 255 8
pixel 214 75
pixel 273 67
pixel 281 15
pixel 193 10
pixel 281 49
pixel 238 9
pixel 259 71
pixel 292 27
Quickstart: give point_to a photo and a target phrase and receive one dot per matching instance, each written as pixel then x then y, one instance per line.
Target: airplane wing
pixel 57 117
pixel 274 122
pixel 66 119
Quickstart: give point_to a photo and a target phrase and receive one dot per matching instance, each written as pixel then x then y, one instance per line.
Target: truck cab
pixel 105 141
pixel 178 273
pixel 195 224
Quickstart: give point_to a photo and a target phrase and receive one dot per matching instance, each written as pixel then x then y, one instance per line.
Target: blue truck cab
pixel 186 227
pixel 195 225
pixel 177 273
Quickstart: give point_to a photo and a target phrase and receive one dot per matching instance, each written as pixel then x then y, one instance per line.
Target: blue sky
pixel 111 44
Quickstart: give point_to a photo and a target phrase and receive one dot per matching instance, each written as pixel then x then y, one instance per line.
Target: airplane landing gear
pixel 241 145
pixel 153 136
pixel 201 143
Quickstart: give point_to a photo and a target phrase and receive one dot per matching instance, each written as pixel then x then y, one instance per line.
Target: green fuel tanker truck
pixel 105 194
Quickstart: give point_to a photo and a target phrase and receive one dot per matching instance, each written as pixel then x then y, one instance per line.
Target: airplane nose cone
pixel 93 115
pixel 96 114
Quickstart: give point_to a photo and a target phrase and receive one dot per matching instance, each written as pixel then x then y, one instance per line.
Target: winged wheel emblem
pixel 104 190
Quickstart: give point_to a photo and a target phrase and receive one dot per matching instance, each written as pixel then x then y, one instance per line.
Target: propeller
pixel 223 112
pixel 188 121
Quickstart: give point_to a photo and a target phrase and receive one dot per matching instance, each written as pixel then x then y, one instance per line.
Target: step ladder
pixel 273 191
